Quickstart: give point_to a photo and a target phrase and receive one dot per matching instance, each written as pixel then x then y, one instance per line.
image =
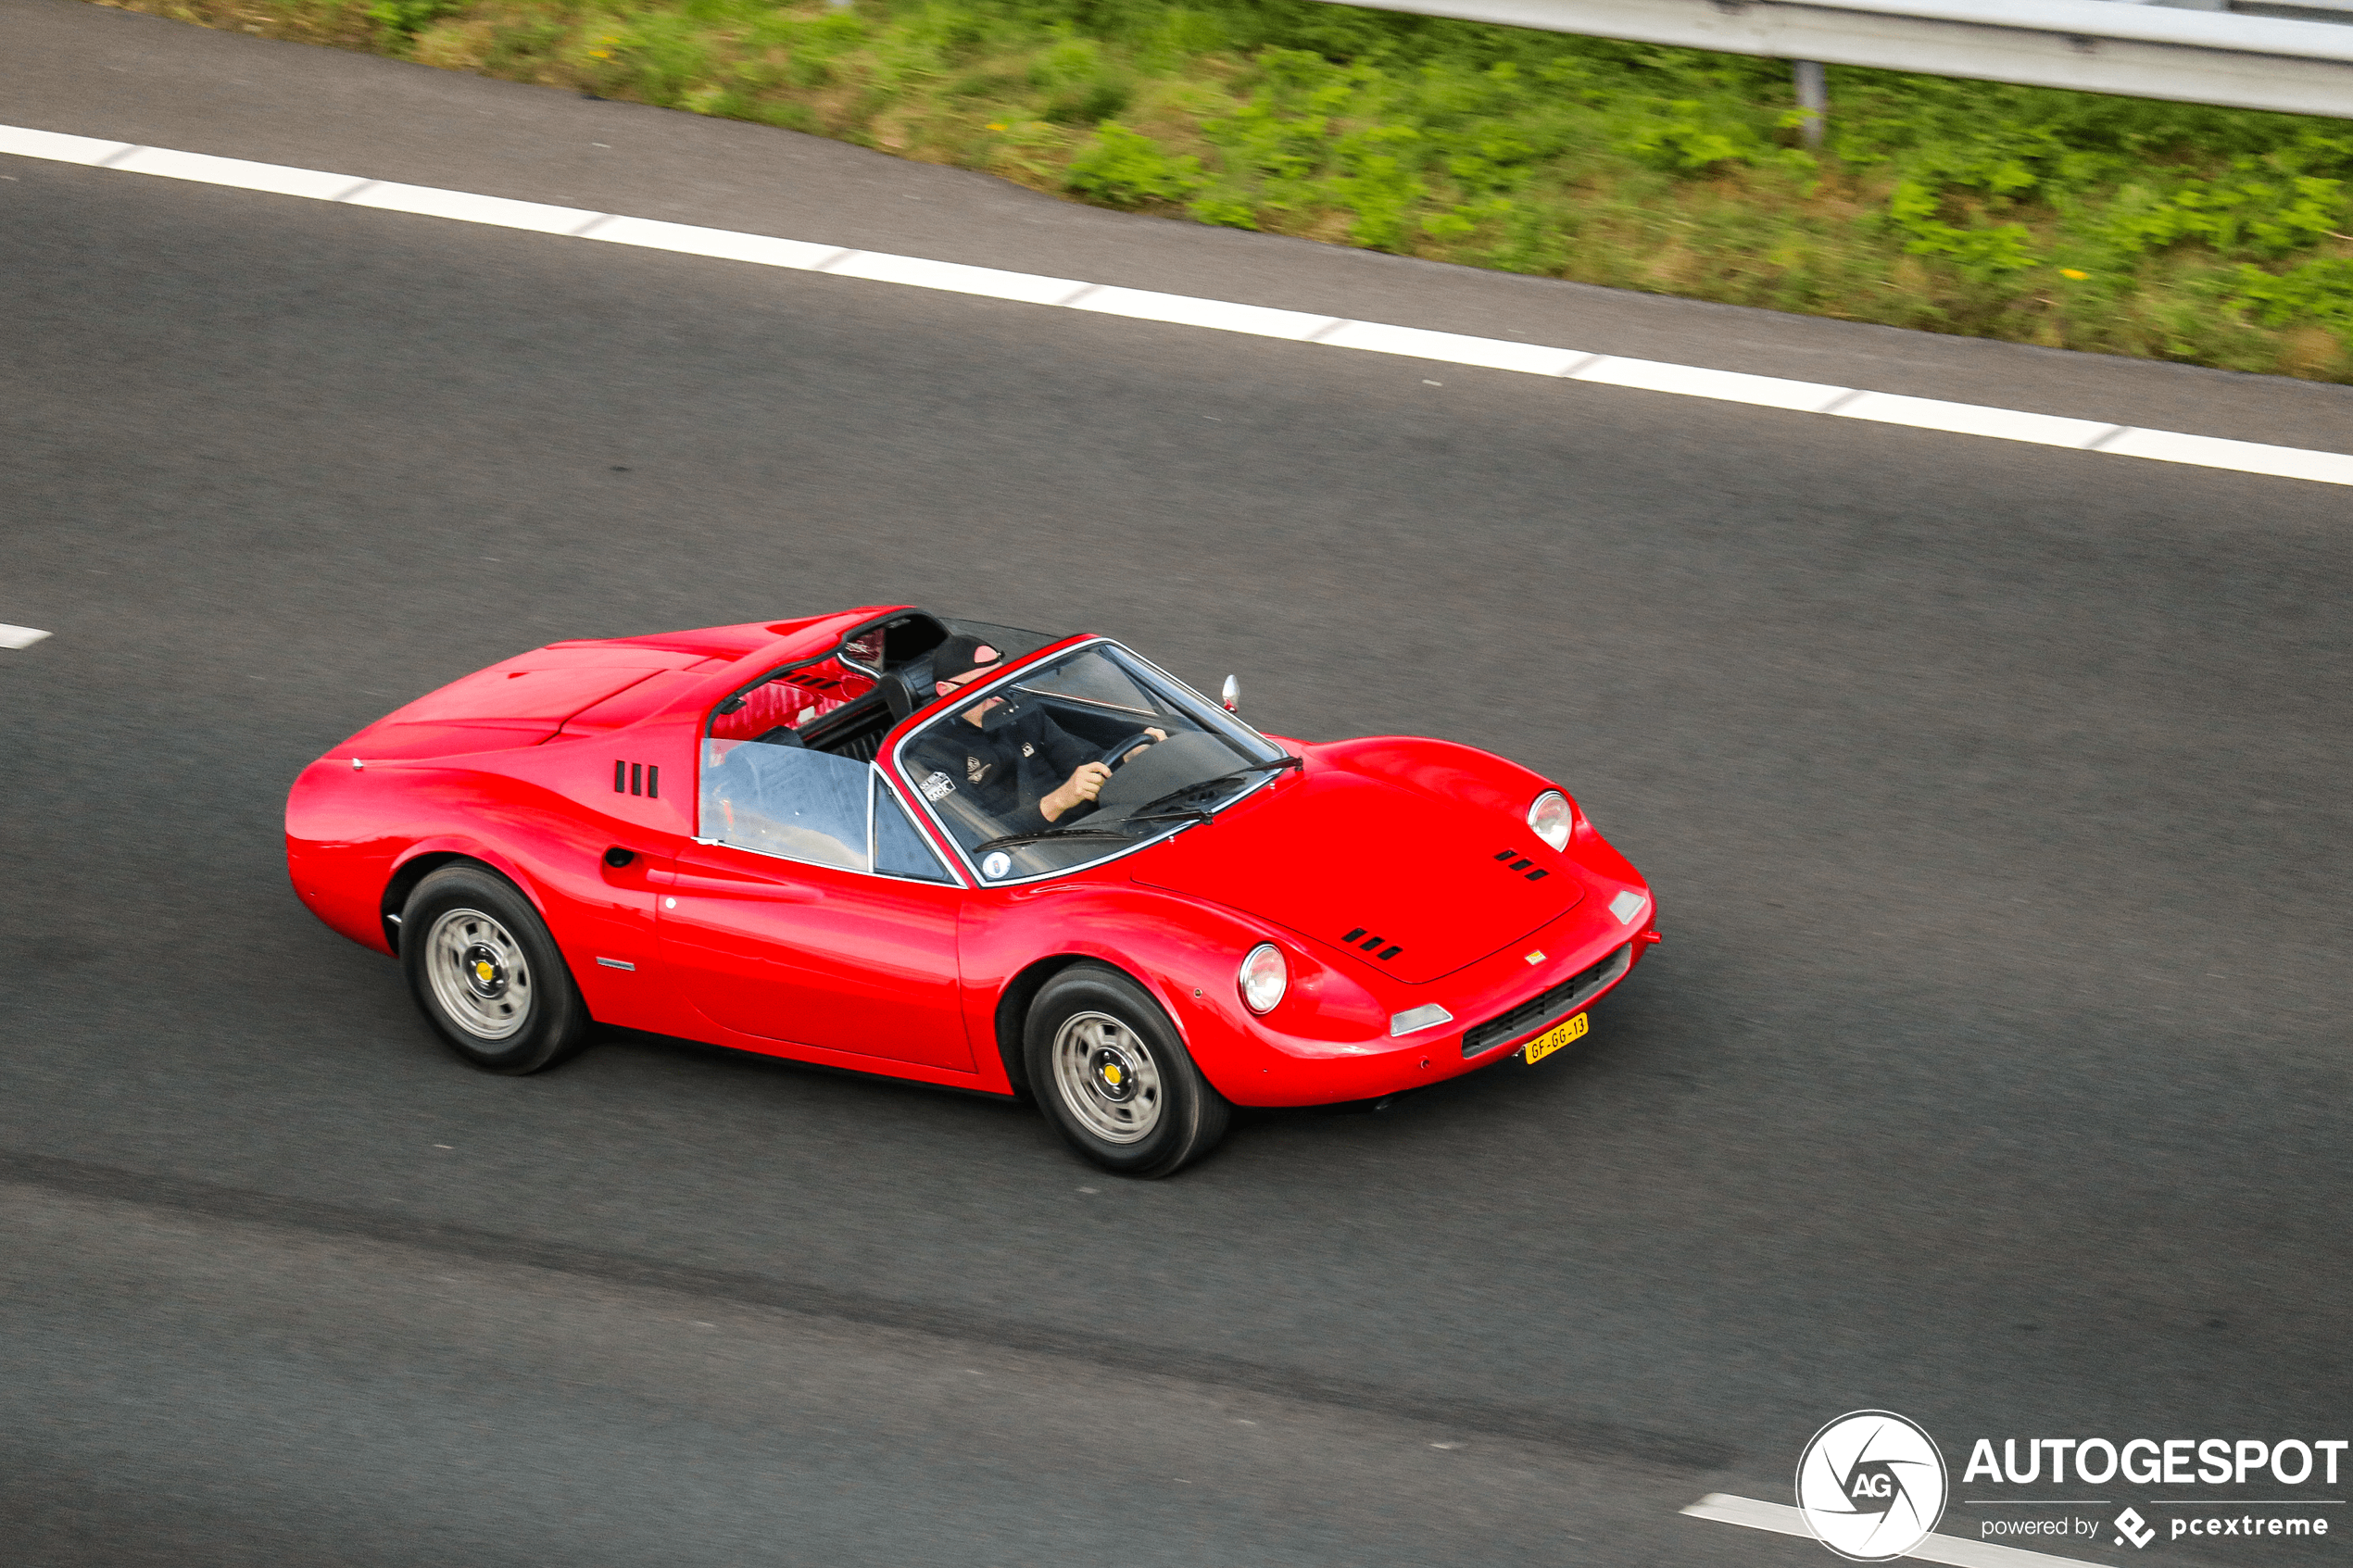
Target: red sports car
pixel 962 854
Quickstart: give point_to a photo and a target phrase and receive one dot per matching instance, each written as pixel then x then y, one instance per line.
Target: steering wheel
pixel 1115 756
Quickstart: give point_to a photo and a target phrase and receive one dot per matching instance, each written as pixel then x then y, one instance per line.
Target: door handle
pixel 621 866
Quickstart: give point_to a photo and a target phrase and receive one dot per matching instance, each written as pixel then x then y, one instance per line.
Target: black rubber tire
pixel 555 1021
pixel 1192 1115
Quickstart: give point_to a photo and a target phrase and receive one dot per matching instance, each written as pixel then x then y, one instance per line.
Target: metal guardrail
pixel 2142 50
pixel 2294 10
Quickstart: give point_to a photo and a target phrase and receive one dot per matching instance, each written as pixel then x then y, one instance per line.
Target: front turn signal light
pixel 1414 1019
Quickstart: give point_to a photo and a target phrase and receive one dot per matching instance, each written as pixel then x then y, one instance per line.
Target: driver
pixel 1007 756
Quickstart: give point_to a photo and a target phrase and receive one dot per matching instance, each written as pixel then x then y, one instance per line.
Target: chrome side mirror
pixel 1232 694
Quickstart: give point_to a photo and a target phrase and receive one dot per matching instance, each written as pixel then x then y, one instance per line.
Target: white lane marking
pixel 1218 315
pixel 59 149
pixel 467 207
pixel 1971 418
pixel 1955 1549
pixel 953 277
pixel 723 244
pixel 275 178
pixel 2244 457
pixel 1727 386
pixel 19 636
pixel 1454 348
pixel 1215 315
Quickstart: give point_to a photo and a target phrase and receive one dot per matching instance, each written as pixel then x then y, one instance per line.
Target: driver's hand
pixel 1083 785
pixel 1156 734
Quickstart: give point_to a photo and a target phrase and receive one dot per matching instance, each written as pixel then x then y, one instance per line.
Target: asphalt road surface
pixel 1994 1070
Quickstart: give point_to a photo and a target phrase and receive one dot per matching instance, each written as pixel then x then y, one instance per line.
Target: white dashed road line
pixel 1955 1550
pixel 19 636
pixel 1647 375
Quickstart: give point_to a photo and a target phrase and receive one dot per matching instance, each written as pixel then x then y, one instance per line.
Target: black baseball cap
pixel 960 653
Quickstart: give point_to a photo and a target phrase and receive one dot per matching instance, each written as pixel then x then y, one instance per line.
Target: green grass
pixel 2122 225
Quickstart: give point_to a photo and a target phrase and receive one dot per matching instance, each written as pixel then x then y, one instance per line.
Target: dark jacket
pixel 1006 766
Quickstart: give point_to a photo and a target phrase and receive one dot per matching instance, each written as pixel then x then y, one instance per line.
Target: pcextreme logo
pixel 1871 1486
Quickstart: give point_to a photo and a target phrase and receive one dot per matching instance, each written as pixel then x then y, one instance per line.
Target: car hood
pixel 1408 884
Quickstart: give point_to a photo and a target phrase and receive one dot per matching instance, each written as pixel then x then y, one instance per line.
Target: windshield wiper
pixel 1242 773
pixel 1091 829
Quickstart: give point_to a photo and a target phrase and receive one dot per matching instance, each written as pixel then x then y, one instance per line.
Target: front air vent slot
pixel 1514 860
pixel 638 778
pixel 1379 947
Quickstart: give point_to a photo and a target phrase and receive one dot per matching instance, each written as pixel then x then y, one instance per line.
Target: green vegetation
pixel 2123 225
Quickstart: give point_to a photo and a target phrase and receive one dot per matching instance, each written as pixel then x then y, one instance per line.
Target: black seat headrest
pixel 909 688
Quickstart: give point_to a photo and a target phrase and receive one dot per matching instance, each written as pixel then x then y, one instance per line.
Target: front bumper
pixel 1498 1005
pixel 1549 1006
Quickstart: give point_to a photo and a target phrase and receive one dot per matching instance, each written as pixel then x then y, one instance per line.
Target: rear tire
pixel 1112 1076
pixel 482 968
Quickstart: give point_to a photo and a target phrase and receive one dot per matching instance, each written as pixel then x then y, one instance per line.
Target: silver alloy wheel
pixel 479 975
pixel 1107 1077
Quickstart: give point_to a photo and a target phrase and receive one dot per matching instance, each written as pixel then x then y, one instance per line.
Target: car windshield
pixel 988 765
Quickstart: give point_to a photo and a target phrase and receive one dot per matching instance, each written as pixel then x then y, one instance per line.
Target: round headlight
pixel 1552 817
pixel 1264 976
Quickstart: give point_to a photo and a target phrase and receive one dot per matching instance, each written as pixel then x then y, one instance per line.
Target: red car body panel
pixel 815 956
pixel 1392 872
pixel 1422 904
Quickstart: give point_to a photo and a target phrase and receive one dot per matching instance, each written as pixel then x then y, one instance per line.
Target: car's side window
pixel 786 801
pixel 899 848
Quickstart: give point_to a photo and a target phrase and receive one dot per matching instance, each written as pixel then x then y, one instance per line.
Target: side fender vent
pixel 638 778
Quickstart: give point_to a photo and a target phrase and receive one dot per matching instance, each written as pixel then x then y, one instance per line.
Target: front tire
pixel 482 968
pixel 1110 1073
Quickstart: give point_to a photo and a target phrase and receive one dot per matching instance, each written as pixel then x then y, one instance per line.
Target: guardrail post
pixel 1814 97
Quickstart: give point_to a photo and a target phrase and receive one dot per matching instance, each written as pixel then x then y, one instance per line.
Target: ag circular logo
pixel 1871 1486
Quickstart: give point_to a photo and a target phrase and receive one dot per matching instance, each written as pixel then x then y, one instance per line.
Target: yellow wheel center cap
pixel 1110 1073
pixel 484 972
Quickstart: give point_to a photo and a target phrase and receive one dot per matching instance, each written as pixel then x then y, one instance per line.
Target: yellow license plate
pixel 1554 1038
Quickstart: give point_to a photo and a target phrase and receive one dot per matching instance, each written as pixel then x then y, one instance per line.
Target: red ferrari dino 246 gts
pixel 791 838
